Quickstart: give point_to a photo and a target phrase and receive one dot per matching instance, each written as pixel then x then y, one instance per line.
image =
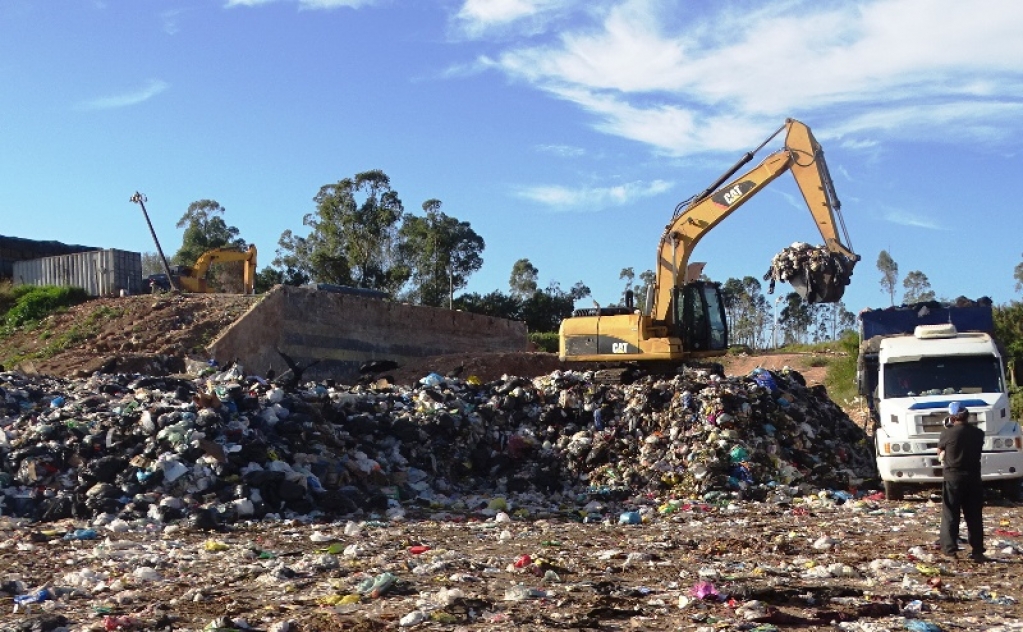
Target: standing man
pixel 959 448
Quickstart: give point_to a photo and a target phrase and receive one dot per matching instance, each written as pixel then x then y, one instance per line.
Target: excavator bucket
pixel 826 283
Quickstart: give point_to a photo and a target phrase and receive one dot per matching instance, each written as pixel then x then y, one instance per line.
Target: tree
pixel 495 304
pixel 918 288
pixel 269 277
pixel 647 278
pixel 1017 274
pixel 795 318
pixel 639 290
pixel 628 275
pixel 579 291
pixel 151 264
pixel 1009 333
pixel 206 230
pixel 544 310
pixel 439 253
pixel 352 235
pixel 523 279
pixel 889 274
pixel 747 311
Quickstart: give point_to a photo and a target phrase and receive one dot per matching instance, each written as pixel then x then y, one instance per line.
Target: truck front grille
pixel 934 422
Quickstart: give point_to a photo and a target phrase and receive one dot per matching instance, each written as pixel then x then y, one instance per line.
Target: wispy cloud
pixel 305 4
pixel 334 4
pixel 247 3
pixel 127 99
pixel 593 198
pixel 477 18
pixel 905 218
pixel 170 19
pixel 565 151
pixel 648 70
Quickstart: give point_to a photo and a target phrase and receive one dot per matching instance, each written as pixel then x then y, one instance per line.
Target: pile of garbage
pixel 228 446
pixel 802 261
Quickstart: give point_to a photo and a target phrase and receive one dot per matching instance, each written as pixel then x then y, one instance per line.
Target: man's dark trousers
pixel 962 494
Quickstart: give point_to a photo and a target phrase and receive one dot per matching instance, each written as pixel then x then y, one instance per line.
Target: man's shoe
pixel 979 558
pixel 949 554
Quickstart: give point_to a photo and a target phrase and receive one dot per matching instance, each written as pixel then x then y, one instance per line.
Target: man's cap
pixel 956 409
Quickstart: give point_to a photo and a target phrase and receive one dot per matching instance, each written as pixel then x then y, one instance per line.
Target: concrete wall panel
pixel 340 332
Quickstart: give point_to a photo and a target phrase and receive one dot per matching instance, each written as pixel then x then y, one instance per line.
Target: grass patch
pixel 30 304
pixel 546 341
pixel 841 377
pixel 818 361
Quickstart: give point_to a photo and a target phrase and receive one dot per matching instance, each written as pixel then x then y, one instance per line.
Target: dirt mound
pixel 156 334
pixel 144 334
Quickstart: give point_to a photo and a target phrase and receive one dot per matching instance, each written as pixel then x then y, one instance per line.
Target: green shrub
pixel 817 361
pixel 841 377
pixel 33 303
pixel 1016 402
pixel 547 341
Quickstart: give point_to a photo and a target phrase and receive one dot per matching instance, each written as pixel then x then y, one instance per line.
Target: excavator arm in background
pixel 194 279
pixel 684 318
pixel 803 156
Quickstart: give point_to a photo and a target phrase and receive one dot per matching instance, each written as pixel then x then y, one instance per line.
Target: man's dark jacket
pixel 963 444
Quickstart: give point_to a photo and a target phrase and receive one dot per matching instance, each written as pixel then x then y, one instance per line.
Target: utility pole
pixel 140 199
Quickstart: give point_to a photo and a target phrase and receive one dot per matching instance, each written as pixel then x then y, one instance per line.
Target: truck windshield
pixel 943 376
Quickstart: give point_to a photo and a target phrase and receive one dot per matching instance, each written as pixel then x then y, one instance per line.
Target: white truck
pixel 916 361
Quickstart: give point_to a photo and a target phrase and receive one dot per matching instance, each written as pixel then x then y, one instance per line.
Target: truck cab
pixel 910 382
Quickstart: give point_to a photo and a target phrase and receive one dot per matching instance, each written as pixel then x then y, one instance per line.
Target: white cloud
pixel 478 17
pixel 334 4
pixel 716 82
pixel 247 3
pixel 305 4
pixel 905 218
pixel 127 99
pixel 170 21
pixel 565 151
pixel 593 198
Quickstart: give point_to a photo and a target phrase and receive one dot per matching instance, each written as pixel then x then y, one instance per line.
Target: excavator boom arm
pixel 801 155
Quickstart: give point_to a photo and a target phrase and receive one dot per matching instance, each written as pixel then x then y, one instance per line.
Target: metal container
pixel 98 272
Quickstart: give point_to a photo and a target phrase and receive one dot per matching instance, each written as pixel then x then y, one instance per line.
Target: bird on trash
pixel 293 376
pixel 377 366
pixel 455 372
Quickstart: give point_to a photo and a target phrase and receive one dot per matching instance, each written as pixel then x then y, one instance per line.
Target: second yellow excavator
pixel 683 318
pixel 193 279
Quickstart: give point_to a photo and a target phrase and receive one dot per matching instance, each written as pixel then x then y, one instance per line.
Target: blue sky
pixel 564 131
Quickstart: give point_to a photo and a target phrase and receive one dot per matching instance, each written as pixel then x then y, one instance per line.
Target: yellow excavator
pixel 193 279
pixel 683 318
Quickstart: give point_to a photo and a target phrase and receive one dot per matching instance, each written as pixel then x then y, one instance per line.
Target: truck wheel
pixel 892 490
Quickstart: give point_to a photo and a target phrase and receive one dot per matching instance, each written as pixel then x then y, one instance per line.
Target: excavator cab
pixel 702 324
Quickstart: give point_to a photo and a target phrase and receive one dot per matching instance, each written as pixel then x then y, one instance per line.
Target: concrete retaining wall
pixel 343 331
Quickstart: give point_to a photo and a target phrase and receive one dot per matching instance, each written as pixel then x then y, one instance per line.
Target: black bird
pixel 270 374
pixel 455 372
pixel 293 376
pixel 377 366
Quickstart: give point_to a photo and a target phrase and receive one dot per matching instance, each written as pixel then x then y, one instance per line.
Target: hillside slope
pixel 156 334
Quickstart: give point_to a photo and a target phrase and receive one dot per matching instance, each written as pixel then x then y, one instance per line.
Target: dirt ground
pixel 758 565
pixel 155 334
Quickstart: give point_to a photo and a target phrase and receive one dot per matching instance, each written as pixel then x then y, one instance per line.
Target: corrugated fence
pixel 98 272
